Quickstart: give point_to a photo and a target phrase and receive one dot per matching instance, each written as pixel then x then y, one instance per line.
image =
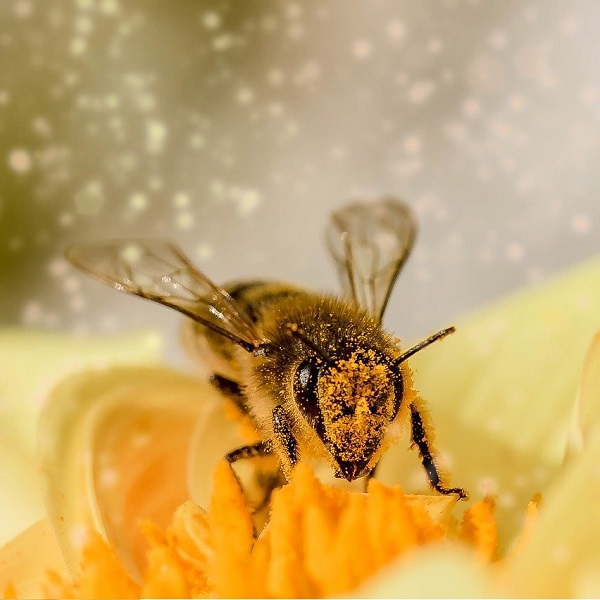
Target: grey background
pixel 236 128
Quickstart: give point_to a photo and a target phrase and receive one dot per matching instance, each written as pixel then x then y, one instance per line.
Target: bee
pixel 317 374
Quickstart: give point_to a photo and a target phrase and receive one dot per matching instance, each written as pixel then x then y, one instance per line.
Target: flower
pixel 127 453
pixel 30 363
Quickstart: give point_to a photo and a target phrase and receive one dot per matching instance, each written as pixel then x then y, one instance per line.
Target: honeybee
pixel 317 374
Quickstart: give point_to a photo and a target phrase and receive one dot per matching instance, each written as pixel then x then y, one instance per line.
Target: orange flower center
pixel 319 541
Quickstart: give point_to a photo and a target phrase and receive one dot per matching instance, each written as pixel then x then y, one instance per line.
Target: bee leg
pixel 266 483
pixel 370 476
pixel 285 440
pixel 230 389
pixel 419 439
pixel 262 448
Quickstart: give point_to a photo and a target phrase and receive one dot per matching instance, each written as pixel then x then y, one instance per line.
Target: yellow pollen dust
pixel 356 398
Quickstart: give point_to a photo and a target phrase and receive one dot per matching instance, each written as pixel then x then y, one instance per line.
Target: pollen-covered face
pixel 358 398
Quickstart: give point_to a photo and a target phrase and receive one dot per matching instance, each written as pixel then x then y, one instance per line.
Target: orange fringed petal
pixel 286 571
pixel 102 575
pixel 323 541
pixel 31 564
pixel 231 534
pixel 166 575
pixel 320 541
pixel 178 558
pixel 480 530
pixel 531 519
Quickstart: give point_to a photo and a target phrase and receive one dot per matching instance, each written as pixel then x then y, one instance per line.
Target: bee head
pixel 349 402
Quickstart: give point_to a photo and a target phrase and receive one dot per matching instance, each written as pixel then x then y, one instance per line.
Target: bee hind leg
pixel 419 439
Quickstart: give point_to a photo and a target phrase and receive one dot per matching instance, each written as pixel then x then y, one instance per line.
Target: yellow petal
pixel 30 363
pixel 103 575
pixel 20 497
pixel 33 361
pixel 443 571
pixel 587 417
pixel 231 532
pixel 561 557
pixel 178 559
pixel 501 393
pixel 114 449
pixel 214 437
pixel 518 358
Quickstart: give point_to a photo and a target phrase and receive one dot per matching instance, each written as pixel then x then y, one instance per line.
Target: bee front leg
pixel 262 448
pixel 419 439
pixel 285 440
pixel 231 390
pixel 369 476
pixel 258 490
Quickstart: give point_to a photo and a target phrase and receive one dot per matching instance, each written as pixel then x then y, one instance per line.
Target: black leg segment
pixel 231 389
pixel 419 438
pixel 262 448
pixel 370 476
pixel 285 438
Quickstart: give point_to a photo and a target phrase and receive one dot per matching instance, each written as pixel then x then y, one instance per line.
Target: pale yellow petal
pixel 562 557
pixel 20 496
pixel 31 362
pixel 516 366
pixel 587 417
pixel 114 447
pixel 445 570
pixel 214 437
pixel 501 393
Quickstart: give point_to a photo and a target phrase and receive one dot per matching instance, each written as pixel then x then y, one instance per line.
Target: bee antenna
pixel 295 330
pixel 432 338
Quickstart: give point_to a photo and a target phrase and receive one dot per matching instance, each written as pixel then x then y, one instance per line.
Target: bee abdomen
pixel 256 296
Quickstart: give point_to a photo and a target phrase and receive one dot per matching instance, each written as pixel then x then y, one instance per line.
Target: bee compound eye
pixel 306 378
pixel 306 394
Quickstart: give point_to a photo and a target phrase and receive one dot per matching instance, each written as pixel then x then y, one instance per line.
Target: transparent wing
pixel 159 271
pixel 370 242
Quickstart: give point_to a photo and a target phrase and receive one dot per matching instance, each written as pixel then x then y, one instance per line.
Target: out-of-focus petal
pixel 586 421
pixel 30 561
pixel 114 449
pixel 445 570
pixel 516 366
pixel 20 496
pixel 31 362
pixel 501 392
pixel 214 437
pixel 561 557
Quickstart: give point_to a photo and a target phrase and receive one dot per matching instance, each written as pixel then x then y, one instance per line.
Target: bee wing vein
pixel 159 271
pixel 370 242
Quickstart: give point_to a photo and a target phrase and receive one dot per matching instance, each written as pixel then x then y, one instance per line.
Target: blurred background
pixel 235 128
